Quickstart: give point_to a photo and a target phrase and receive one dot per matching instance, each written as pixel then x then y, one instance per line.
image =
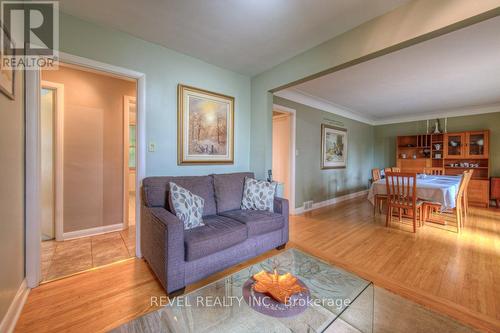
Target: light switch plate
pixel 152 147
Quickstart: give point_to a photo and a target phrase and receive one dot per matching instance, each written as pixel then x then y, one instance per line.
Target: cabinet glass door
pixel 477 144
pixel 454 145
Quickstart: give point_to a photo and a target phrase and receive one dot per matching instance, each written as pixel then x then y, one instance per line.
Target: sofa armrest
pixel 169 220
pixel 162 243
pixel 281 207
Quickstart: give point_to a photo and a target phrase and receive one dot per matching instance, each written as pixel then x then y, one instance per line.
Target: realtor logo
pixel 33 27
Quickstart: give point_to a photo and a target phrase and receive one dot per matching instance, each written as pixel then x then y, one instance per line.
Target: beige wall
pixel 11 194
pixel 93 147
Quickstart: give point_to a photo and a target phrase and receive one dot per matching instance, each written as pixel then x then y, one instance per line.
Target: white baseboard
pixel 331 201
pixel 93 231
pixel 8 323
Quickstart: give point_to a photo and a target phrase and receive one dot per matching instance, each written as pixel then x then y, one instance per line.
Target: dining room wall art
pixel 333 147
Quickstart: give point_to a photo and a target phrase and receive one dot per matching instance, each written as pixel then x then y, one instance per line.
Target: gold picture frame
pixel 7 75
pixel 205 127
pixel 333 147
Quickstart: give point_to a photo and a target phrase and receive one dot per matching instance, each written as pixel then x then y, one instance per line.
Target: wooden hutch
pixel 455 152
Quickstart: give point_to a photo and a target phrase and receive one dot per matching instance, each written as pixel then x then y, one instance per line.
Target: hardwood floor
pixel 100 299
pixel 94 301
pixel 455 274
pixel 458 275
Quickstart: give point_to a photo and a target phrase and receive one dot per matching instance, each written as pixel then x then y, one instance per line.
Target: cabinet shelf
pixel 449 167
pixel 415 147
pixel 460 147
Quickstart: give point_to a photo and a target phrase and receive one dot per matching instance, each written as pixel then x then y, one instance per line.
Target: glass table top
pixel 221 307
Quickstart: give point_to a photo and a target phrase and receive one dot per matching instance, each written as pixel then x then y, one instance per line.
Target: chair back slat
pixel 393 169
pixel 376 174
pixel 463 185
pixel 434 171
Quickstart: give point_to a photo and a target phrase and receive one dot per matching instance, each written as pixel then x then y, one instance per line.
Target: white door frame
pixel 127 101
pixel 292 154
pixel 58 155
pixel 33 148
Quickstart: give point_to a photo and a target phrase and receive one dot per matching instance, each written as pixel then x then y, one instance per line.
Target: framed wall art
pixel 333 147
pixel 7 73
pixel 205 127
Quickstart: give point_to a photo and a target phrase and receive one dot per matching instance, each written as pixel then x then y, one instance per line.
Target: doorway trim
pixel 127 101
pixel 58 156
pixel 293 152
pixel 33 155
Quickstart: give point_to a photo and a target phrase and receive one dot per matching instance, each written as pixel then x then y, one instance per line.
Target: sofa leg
pixel 281 247
pixel 177 292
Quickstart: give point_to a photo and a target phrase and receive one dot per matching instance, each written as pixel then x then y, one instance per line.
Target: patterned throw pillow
pixel 258 195
pixel 188 207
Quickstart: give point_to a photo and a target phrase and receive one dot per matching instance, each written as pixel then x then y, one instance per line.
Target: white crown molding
pixel 459 112
pixel 9 321
pixel 331 201
pixel 301 97
pixel 321 104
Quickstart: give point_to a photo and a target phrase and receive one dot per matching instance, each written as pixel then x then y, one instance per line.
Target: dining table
pixel 434 188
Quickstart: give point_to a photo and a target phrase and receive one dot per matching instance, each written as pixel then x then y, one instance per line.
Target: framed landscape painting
pixel 7 74
pixel 205 127
pixel 333 147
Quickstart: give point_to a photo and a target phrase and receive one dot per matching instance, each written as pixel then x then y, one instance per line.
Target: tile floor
pixel 60 259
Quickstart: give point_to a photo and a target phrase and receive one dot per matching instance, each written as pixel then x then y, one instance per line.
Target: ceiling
pixel 457 71
pixel 246 36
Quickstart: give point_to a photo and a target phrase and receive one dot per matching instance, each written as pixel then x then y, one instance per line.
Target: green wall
pixel 164 69
pixel 384 153
pixel 368 147
pixel 415 21
pixel 312 183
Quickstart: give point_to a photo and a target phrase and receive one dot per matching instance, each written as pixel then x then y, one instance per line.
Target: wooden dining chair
pixel 465 197
pixel 434 171
pixel 393 169
pixel 461 211
pixel 379 198
pixel 402 194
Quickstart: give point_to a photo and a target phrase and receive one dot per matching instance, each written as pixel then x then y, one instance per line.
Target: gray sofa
pixel 230 235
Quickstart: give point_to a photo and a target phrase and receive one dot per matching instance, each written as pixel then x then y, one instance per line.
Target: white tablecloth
pixel 442 189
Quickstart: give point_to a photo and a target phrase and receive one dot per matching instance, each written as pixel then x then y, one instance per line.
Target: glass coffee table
pixel 337 301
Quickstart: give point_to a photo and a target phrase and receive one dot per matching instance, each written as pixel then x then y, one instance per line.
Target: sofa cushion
pixel 258 222
pixel 258 195
pixel 218 233
pixel 156 191
pixel 229 190
pixel 188 207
